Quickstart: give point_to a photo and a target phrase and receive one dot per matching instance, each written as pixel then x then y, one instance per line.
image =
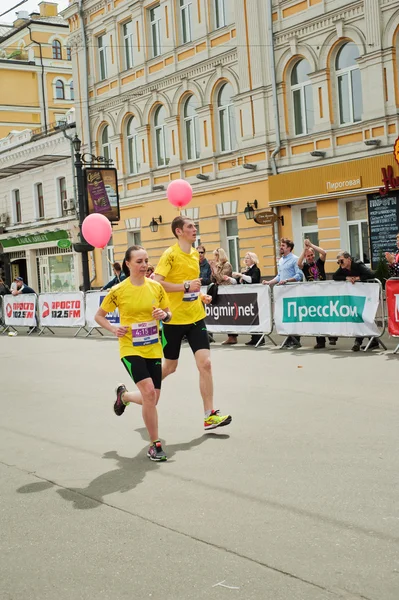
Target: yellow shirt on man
pixel 177 266
pixel 135 304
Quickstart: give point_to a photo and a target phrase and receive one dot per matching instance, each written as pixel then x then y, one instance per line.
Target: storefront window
pixel 62 274
pixel 356 215
pixel 309 224
pixel 232 243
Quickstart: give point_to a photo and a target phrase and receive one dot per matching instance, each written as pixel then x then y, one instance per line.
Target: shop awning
pixel 32 163
pixel 34 238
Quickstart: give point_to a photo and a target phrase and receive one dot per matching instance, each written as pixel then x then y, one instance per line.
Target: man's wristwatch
pixel 187 286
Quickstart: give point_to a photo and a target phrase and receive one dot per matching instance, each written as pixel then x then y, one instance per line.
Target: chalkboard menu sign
pixel 383 212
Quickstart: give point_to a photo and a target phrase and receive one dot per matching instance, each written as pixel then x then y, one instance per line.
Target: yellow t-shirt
pixel 177 266
pixel 135 304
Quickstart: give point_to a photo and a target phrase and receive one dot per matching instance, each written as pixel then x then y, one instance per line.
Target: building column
pixel 172 140
pixel 206 126
pixel 320 100
pixel 372 78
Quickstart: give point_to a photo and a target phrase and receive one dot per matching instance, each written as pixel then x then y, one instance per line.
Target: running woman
pixel 178 272
pixel 141 302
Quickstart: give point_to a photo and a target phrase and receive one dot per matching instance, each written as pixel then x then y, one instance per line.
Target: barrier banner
pixel 93 302
pixel 20 311
pixel 330 308
pixel 240 309
pixel 62 309
pixel 392 295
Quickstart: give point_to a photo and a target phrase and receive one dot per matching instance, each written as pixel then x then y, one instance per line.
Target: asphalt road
pixel 296 500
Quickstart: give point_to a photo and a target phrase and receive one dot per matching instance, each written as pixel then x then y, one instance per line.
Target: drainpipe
pixel 85 75
pixel 43 86
pixel 274 87
pixel 70 138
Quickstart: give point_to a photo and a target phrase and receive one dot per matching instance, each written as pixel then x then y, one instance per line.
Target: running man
pixel 141 302
pixel 178 271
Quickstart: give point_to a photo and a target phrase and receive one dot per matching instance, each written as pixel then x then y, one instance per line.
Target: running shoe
pixel 119 405
pixel 215 420
pixel 156 453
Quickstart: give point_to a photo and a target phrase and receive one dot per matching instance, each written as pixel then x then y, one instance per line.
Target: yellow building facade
pixel 35 69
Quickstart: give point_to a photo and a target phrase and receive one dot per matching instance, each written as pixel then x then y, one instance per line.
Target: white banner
pixel 62 309
pixel 240 309
pixel 20 311
pixel 330 308
pixel 93 302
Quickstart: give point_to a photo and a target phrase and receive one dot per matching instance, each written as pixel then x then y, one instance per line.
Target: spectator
pixel 393 260
pixel 250 274
pixel 221 268
pixel 205 267
pixel 119 276
pixel 22 288
pixel 14 285
pixel 353 270
pixel 150 273
pixel 288 271
pixel 3 288
pixel 314 271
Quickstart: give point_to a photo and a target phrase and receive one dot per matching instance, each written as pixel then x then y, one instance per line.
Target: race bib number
pixel 144 334
pixel 190 296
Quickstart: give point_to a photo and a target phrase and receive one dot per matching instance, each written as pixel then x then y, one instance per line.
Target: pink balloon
pixel 179 192
pixel 97 230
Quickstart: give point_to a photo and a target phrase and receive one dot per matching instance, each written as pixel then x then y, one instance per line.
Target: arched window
pixel 160 137
pixel 191 128
pixel 302 98
pixel 59 90
pixel 105 145
pixel 349 84
pixel 57 52
pixel 132 146
pixel 71 91
pixel 227 130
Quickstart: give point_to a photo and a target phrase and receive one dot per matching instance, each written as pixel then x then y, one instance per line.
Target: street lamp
pixel 83 247
pixel 250 208
pixel 154 224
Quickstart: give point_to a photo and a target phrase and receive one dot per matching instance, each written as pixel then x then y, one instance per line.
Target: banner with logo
pixel 20 311
pixel 240 309
pixel 62 309
pixel 392 295
pixel 93 302
pixel 332 308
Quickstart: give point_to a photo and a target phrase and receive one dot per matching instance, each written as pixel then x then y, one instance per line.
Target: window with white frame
pixel 198 238
pixel 155 24
pixel 309 224
pixel 134 238
pixel 127 33
pixel 132 146
pixel 185 19
pixel 110 259
pixel 16 207
pixel 71 91
pixel 302 98
pixel 57 50
pixel 191 128
pixel 358 235
pixel 60 118
pixel 160 137
pixel 223 12
pixel 59 90
pixel 62 194
pixel 105 145
pixel 227 132
pixel 349 84
pixel 102 57
pixel 39 200
pixel 233 247
pixel 69 53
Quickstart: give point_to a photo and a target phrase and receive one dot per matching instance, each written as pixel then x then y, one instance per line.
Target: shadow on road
pixel 130 472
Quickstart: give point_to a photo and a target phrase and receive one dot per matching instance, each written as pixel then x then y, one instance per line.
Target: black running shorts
pixel 140 368
pixel 172 336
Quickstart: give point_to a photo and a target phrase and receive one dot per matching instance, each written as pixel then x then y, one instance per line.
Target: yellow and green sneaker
pixel 215 420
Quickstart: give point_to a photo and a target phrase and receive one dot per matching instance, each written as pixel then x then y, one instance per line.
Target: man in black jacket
pixel 354 270
pixel 205 267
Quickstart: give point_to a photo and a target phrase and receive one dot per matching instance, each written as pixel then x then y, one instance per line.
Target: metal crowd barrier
pixel 320 333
